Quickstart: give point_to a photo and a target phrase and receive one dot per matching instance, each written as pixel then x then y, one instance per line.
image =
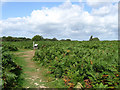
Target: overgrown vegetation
pixel 92 64
pixel 19 45
pixel 8 47
pixel 82 64
pixel 10 70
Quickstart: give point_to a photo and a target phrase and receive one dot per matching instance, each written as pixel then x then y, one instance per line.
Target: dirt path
pixel 33 73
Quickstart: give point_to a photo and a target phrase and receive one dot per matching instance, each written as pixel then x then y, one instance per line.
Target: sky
pixel 62 20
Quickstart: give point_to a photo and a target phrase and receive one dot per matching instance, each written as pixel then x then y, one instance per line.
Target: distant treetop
pixel 93 39
pixel 37 38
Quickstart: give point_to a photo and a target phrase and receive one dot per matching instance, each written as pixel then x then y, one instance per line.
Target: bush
pixel 10 71
pixel 9 48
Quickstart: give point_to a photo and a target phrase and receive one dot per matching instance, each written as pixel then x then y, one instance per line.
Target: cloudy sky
pixel 74 20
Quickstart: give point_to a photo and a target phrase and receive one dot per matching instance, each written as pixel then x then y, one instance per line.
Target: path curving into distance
pixel 32 73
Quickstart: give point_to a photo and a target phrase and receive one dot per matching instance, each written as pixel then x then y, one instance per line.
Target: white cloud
pixel 106 10
pixel 97 3
pixel 65 21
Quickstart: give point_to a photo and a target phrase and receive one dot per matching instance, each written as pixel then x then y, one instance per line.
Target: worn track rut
pixel 33 73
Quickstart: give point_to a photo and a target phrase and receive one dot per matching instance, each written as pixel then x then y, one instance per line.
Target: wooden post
pixel 33 44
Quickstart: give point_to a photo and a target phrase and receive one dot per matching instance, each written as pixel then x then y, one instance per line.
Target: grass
pixel 47 79
pixel 20 61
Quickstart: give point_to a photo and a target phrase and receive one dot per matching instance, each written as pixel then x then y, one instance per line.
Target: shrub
pixel 10 71
pixel 9 48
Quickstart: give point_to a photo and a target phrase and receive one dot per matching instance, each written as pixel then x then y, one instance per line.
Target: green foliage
pixel 10 70
pixel 19 45
pixel 79 60
pixel 8 47
pixel 54 39
pixel 65 40
pixel 94 39
pixel 9 38
pixel 62 40
pixel 37 38
pixel 90 38
pixel 68 39
pixel 95 61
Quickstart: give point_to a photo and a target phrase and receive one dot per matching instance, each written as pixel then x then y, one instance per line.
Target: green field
pixel 77 64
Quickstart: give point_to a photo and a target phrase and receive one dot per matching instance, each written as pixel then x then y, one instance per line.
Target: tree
pixel 91 37
pixel 62 40
pixel 68 39
pixel 94 39
pixel 37 38
pixel 3 38
pixel 9 38
pixel 54 39
pixel 46 39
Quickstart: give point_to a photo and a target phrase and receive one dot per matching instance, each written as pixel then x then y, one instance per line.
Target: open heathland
pixel 76 64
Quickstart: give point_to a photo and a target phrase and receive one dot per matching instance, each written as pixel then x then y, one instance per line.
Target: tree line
pixel 35 38
pixel 40 38
pixel 10 38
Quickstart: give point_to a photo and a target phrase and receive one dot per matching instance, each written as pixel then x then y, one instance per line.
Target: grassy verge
pixel 44 79
pixel 21 63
